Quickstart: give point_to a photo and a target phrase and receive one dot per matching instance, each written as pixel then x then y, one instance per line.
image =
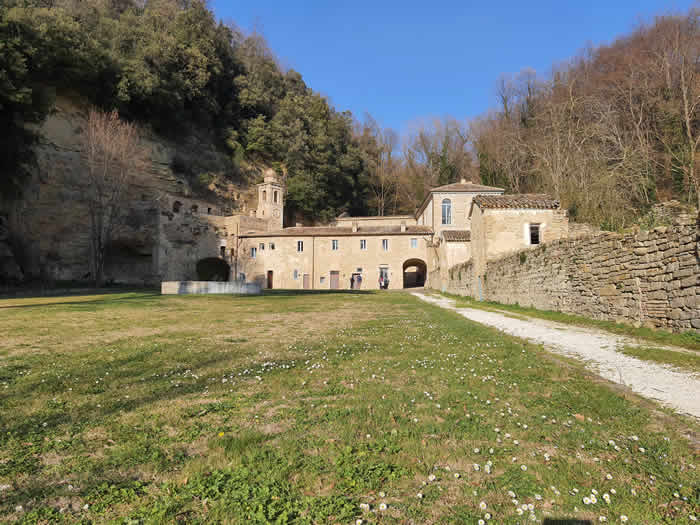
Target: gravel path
pixel 672 388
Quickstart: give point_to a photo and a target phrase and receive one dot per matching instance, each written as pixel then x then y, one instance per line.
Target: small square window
pixel 363 244
pixel 334 245
pixel 300 246
pixel 534 233
pixel 414 243
pixel 253 252
pixel 385 244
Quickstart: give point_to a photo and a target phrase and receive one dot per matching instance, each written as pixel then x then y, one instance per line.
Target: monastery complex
pixel 454 224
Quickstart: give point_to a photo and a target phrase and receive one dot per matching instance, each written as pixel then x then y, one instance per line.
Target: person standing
pixel 359 281
pixel 352 282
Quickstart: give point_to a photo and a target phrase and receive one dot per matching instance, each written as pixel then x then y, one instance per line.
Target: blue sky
pixel 402 61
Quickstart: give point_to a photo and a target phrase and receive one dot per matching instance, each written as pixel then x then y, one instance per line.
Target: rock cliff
pixel 45 234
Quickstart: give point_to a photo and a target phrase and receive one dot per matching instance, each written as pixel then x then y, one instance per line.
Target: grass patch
pixel 689 340
pixel 314 408
pixel 683 360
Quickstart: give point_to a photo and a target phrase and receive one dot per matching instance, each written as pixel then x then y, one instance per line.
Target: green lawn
pixel 685 361
pixel 315 408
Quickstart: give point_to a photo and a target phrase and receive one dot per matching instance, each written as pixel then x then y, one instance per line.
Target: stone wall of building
pixel 651 278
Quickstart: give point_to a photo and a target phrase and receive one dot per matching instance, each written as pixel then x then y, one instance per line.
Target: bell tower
pixel 271 201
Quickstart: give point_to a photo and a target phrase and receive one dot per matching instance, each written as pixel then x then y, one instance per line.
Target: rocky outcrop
pixel 49 224
pixel 10 272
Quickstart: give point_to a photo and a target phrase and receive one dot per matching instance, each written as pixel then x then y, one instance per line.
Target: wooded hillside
pixel 170 65
pixel 610 132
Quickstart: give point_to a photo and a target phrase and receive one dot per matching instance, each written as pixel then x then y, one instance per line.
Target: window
pixel 296 274
pixel 414 243
pixel 534 233
pixel 253 252
pixel 323 279
pixel 446 211
pixel 272 245
pixel 262 246
pixel 363 244
pixel 208 211
pixel 334 245
pixel 274 196
pixel 385 244
pixel 241 277
pixel 264 195
pixel 300 246
pixel 222 249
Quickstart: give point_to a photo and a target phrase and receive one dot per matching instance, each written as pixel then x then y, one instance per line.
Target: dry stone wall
pixel 650 278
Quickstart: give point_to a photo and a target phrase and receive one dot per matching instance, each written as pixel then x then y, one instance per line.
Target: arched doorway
pixel 213 269
pixel 414 273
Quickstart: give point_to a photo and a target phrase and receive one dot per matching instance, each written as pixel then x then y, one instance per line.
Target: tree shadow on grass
pixel 104 298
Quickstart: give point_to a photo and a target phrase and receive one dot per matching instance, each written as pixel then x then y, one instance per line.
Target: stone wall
pixel 209 287
pixel 650 278
pixel 461 280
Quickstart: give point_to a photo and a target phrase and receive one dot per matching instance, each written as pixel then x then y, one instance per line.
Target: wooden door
pixel 335 280
pixel 307 281
pixel 269 279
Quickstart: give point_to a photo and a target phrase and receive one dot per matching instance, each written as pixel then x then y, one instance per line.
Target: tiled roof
pixel 537 201
pixel 465 186
pixel 331 231
pixel 457 235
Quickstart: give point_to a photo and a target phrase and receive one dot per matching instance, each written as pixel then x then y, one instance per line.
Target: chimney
pixel 354 226
pixel 403 226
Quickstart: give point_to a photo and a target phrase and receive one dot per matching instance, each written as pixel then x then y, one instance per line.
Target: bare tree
pixel 380 147
pixel 114 154
pixel 677 50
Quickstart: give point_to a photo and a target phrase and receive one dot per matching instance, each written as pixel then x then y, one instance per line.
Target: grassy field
pixel 316 408
pixel 686 361
pixel 689 339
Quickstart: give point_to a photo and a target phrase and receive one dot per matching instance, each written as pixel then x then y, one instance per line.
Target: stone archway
pixel 414 273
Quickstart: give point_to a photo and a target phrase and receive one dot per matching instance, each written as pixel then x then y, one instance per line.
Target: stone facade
pixel 327 257
pixel 650 278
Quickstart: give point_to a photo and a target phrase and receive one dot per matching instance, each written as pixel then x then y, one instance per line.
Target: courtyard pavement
pixel 666 384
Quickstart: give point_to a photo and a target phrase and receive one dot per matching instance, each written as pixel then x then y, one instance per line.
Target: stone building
pixel 454 224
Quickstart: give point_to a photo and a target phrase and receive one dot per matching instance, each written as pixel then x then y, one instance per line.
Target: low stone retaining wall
pixel 650 278
pixel 209 287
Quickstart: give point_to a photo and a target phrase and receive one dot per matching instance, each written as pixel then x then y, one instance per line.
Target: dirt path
pixel 673 388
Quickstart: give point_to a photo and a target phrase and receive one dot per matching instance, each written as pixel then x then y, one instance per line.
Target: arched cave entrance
pixel 414 272
pixel 213 269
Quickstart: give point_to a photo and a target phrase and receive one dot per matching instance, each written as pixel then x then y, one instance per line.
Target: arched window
pixel 447 211
pixel 274 197
pixel 264 195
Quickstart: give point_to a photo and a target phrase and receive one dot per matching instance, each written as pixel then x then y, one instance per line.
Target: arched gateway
pixel 414 272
